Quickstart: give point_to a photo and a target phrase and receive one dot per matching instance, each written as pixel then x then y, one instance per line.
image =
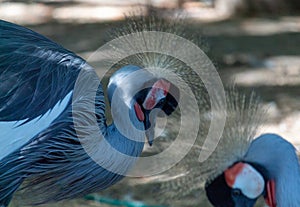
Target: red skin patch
pixel 152 97
pixel 232 172
pixel 162 84
pixel 138 111
pixel 271 194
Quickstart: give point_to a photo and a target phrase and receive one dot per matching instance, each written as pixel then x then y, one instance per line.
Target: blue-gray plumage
pixel 39 145
pixel 274 160
pixel 279 162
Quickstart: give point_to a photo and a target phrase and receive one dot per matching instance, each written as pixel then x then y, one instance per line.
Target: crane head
pixel 153 101
pixel 156 99
pixel 149 96
pixel 238 186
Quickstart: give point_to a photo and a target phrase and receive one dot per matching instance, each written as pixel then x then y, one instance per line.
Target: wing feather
pixel 37 77
pixel 35 73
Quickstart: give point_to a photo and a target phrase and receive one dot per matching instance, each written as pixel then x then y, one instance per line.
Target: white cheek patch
pixel 246 178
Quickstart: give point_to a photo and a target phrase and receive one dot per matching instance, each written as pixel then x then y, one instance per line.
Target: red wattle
pixel 271 194
pixel 139 113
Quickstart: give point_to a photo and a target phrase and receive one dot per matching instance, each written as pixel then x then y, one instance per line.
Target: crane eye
pixel 236 192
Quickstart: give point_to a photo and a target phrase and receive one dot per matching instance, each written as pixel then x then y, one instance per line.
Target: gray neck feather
pixel 125 136
pixel 117 145
pixel 280 160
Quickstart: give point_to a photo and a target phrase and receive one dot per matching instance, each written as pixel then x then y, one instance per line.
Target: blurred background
pixel 255 43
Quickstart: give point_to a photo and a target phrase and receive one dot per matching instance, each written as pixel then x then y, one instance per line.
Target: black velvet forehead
pixel 219 193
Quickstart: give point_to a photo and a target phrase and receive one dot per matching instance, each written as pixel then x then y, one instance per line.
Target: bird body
pixel 54 140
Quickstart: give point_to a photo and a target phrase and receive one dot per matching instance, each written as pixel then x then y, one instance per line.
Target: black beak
pixel 149 124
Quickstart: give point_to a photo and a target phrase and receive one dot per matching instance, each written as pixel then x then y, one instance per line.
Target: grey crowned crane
pixel 270 168
pixel 41 153
pixel 243 167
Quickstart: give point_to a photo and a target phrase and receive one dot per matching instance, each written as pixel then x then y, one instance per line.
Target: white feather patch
pixel 250 182
pixel 14 134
